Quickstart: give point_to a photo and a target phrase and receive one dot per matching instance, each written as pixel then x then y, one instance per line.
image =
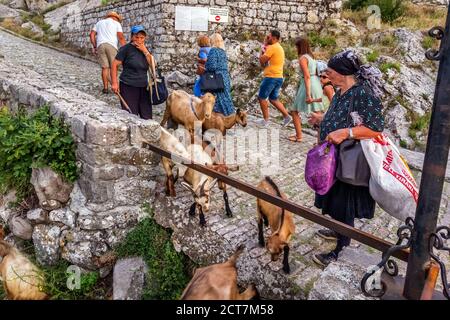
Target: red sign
pixel 217 18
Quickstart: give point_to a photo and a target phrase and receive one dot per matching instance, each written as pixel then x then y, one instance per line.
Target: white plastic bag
pixel 391 183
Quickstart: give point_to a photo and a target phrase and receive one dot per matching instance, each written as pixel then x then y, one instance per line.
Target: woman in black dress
pixel 359 85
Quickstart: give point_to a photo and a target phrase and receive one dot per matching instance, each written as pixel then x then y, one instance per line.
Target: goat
pixel 281 223
pixel 21 278
pixel 182 108
pixel 198 183
pixel 170 143
pixel 220 122
pixel 218 282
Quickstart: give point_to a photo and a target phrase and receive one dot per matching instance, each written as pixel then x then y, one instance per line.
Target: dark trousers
pixel 343 241
pixel 138 99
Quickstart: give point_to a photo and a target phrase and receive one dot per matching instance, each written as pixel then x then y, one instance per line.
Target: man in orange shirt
pixel 272 59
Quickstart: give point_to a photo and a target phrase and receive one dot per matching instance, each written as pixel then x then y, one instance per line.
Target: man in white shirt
pixel 105 37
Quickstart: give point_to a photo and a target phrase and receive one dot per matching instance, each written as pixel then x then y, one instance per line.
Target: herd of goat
pixel 21 279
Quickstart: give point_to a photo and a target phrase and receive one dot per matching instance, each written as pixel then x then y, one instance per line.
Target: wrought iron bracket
pixel 371 283
pixel 438 241
pixel 438 34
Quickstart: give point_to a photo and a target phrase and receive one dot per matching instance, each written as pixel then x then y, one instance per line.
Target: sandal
pixel 294 139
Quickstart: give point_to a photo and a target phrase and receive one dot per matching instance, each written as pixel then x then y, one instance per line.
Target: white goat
pixel 170 143
pixel 199 184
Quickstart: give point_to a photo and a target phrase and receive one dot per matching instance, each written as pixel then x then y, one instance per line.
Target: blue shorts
pixel 270 88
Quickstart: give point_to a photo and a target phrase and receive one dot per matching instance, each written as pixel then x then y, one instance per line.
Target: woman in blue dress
pixel 205 47
pixel 218 62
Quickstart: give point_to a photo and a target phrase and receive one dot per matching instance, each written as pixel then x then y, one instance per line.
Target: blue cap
pixel 138 28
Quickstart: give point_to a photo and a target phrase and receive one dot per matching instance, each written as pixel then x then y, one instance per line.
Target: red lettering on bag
pixel 402 180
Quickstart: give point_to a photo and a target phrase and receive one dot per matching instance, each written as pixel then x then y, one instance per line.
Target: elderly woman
pixel 218 62
pixel 135 59
pixel 359 89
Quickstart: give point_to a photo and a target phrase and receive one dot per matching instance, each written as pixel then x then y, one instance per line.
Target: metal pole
pixel 433 173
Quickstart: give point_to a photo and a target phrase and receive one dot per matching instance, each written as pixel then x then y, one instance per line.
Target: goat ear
pixel 187 186
pixel 238 111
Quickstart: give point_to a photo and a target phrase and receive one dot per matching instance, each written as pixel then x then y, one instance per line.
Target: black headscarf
pixel 347 63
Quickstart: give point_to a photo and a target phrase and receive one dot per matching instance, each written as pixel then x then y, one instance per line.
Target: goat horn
pixel 202 188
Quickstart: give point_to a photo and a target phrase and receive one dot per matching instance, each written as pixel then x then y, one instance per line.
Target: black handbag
pixel 157 86
pixel 211 82
pixel 352 165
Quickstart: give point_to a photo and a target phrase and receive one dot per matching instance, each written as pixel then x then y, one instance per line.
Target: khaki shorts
pixel 106 54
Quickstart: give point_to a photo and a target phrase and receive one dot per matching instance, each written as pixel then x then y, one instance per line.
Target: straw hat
pixel 114 15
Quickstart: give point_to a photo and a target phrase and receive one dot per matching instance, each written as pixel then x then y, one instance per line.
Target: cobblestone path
pixel 221 234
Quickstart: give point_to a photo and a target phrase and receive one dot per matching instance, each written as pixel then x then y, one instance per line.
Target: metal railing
pixel 351 232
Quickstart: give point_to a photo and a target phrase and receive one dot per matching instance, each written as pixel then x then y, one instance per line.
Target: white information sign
pixel 218 15
pixel 191 18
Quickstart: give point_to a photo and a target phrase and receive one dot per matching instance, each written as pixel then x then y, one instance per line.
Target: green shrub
pixel 391 10
pixel 168 274
pixel 290 51
pixel 403 143
pixel 389 40
pixel 32 141
pixel 316 40
pixel 427 42
pixel 373 56
pixel 54 7
pixel 384 67
pixel 420 123
pixel 56 283
pixel 355 4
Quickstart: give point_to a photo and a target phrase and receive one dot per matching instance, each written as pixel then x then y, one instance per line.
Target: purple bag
pixel 320 168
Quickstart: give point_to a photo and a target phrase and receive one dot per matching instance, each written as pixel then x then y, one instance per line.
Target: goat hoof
pixel 192 210
pixel 287 269
pixel 229 214
pixel 261 244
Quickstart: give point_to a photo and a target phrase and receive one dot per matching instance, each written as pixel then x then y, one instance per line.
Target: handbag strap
pixel 152 70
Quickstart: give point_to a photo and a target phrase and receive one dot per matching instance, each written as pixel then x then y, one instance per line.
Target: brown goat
pixel 220 122
pixel 21 278
pixel 281 223
pixel 218 282
pixel 182 108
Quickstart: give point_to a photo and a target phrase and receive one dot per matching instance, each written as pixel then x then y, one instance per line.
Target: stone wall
pixel 247 18
pixel 117 174
pixel 439 3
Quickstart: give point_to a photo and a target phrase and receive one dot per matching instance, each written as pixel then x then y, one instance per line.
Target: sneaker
pixel 327 234
pixel 262 123
pixel 286 121
pixel 324 259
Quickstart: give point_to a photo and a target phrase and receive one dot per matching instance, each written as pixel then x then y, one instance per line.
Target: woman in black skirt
pixel 135 59
pixel 360 85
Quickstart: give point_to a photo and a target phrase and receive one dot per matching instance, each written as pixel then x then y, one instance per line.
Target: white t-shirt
pixel 107 32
